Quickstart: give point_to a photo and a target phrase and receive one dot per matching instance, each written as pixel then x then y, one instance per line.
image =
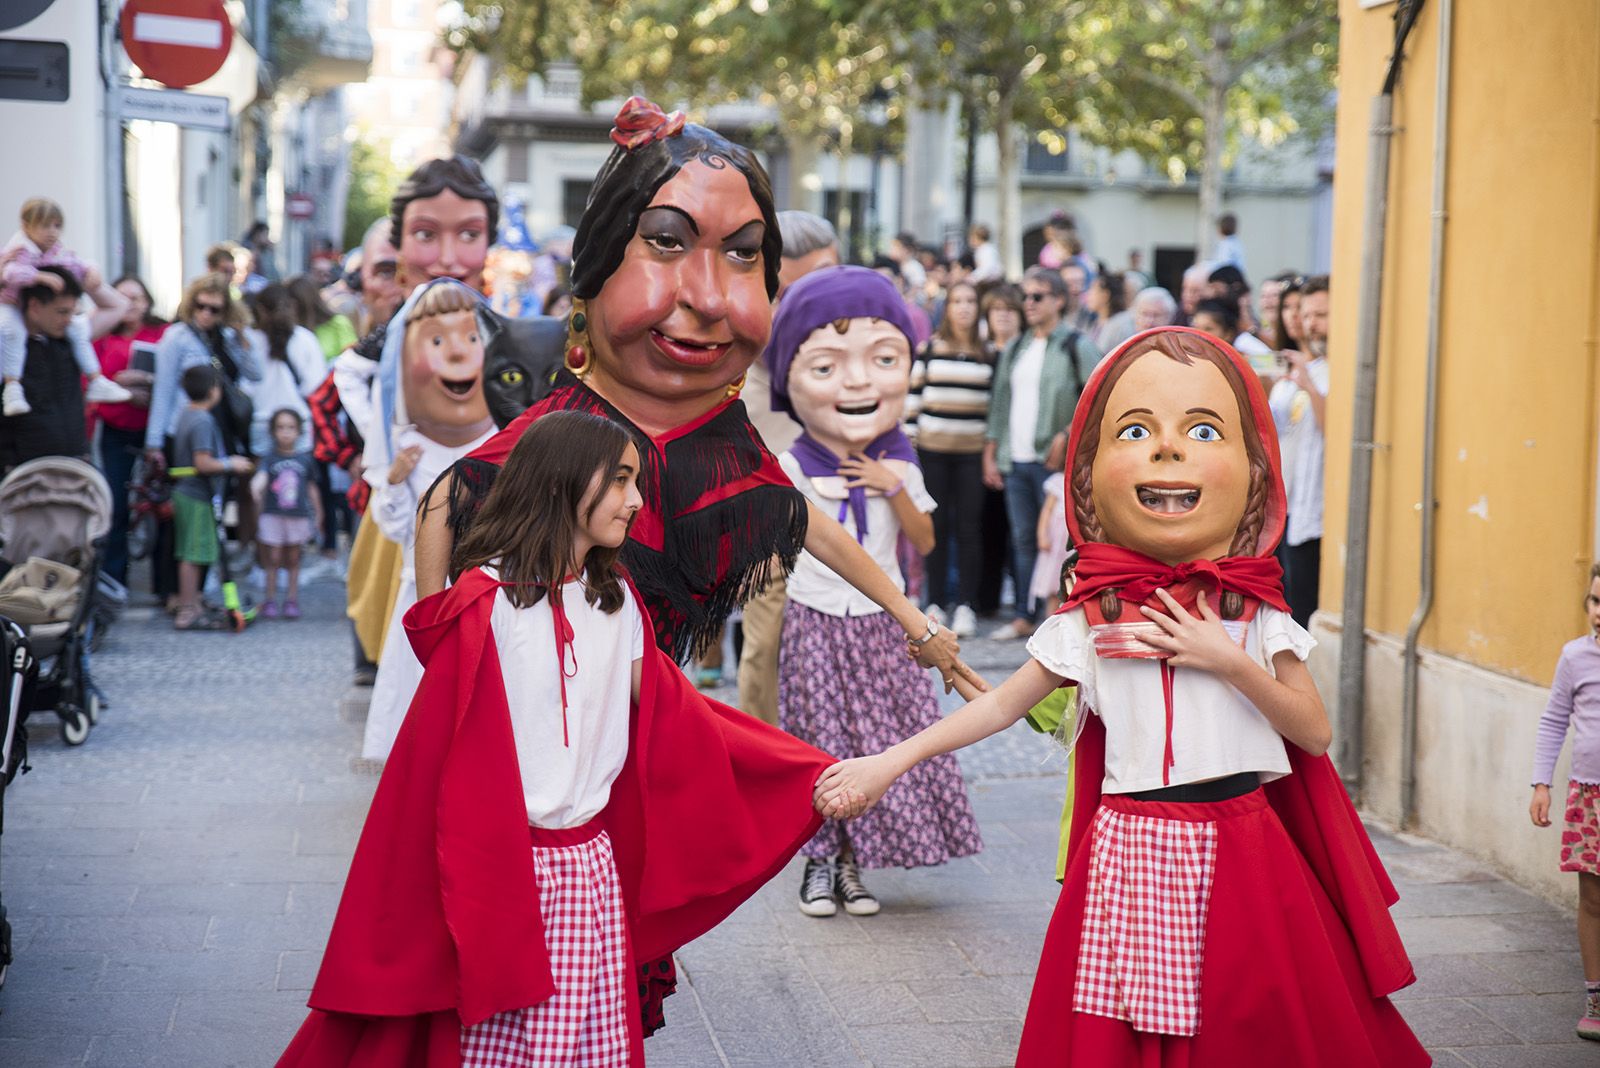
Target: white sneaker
pixel 104 391
pixel 935 613
pixel 15 402
pixel 964 624
pixel 1011 631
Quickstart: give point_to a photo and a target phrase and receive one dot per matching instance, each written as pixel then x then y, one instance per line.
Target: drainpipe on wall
pixel 1430 424
pixel 1364 403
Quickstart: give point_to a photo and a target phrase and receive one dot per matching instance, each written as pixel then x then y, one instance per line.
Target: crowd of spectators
pixel 1000 365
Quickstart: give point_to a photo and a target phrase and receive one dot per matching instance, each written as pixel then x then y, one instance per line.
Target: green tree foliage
pixel 1182 82
pixel 1186 83
pixel 373 180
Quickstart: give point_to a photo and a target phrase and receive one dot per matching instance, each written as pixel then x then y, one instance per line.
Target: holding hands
pixel 851 787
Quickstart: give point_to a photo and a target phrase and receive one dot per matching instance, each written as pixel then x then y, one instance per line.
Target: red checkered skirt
pixel 585 1023
pixel 1144 921
pixel 1279 981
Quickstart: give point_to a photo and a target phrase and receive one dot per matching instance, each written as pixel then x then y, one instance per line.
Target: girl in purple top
pixel 1575 701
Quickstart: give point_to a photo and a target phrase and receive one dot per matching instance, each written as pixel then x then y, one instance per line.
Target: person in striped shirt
pixel 947 409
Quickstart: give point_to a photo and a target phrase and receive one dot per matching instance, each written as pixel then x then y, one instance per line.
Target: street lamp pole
pixel 877 115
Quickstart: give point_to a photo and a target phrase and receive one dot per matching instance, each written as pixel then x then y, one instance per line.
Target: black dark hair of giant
pixel 459 174
pixel 628 182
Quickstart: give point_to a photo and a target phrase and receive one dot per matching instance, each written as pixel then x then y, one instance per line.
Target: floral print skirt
pixel 846 686
pixel 1580 840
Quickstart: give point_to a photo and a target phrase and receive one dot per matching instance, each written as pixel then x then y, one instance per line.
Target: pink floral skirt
pixel 1580 840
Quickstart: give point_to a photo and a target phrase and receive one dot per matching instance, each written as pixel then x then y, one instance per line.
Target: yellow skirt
pixel 371 586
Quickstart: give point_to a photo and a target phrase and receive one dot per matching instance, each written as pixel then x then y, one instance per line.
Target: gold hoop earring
pixel 736 386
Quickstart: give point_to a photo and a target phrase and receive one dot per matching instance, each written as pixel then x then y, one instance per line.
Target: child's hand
pixel 851 787
pixel 1539 807
pixel 50 280
pixel 1195 641
pixel 92 278
pixel 846 806
pixel 861 470
pixel 404 463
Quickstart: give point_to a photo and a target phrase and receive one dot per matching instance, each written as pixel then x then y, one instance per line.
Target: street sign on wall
pixel 195 110
pixel 177 42
pixel 299 205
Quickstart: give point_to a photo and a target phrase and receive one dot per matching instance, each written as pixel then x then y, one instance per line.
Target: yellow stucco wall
pixel 1517 444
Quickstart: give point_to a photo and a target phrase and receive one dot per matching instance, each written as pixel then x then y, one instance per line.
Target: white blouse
pixel 812 583
pixel 1215 731
pixel 566 784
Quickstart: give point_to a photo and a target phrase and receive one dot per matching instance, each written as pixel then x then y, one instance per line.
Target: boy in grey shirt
pixel 197 444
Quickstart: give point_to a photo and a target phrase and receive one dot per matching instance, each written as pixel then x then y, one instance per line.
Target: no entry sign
pixel 177 42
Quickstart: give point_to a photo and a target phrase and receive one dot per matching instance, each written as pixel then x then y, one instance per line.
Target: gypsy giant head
pixel 841 357
pixel 443 218
pixel 674 265
pixel 1173 453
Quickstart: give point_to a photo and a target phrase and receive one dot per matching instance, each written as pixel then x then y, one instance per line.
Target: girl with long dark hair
pixel 502 889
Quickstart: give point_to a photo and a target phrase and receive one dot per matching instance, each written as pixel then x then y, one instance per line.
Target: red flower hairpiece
pixel 641 122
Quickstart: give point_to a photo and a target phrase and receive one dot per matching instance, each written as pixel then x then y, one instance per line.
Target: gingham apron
pixel 584 1024
pixel 1144 921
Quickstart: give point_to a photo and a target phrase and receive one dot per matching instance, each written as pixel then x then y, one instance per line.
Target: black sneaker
pixel 816 889
pixel 858 900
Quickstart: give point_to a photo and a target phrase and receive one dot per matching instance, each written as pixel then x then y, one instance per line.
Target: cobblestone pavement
pixel 171 883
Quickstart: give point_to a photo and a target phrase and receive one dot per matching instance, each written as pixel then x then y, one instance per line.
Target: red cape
pixel 1314 809
pixel 439 925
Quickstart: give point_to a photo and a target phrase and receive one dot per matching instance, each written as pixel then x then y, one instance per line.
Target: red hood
pixel 1266 431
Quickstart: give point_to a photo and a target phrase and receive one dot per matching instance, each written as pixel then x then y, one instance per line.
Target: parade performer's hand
pixel 846 806
pixel 967 682
pixel 854 786
pixel 1538 808
pixel 404 462
pixel 1195 641
pixel 940 651
pixel 861 470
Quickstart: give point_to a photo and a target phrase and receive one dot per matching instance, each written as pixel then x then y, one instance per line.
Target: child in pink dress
pixel 1575 704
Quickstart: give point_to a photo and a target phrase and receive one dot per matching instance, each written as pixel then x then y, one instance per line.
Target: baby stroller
pixel 54 516
pixel 16 680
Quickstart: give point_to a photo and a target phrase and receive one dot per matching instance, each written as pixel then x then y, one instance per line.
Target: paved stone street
pixel 171 883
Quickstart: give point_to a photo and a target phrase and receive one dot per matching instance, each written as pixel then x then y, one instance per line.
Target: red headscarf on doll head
pixel 1123 569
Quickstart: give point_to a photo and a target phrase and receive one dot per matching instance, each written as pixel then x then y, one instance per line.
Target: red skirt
pixel 1280 982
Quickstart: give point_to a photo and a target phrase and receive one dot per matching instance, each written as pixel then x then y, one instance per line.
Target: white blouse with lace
pixel 1215 731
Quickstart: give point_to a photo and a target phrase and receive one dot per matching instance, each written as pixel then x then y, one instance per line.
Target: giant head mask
pixel 443 218
pixel 520 363
pixel 674 266
pixel 841 357
pixel 1173 455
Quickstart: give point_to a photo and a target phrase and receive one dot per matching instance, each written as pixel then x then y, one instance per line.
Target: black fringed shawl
pixel 719 514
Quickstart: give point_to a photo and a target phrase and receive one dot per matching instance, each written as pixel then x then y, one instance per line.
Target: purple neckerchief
pixel 818 461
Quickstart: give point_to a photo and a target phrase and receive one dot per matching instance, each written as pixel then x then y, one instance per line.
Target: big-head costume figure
pixel 428 410
pixel 1222 904
pixel 674 267
pixel 442 219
